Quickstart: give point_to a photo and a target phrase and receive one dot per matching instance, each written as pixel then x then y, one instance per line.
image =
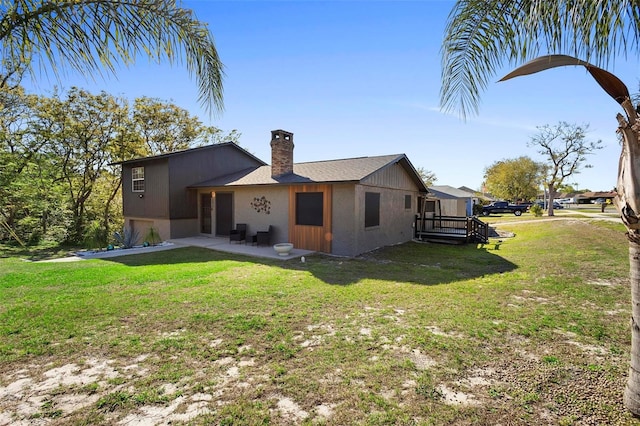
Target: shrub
pixel 127 238
pixel 536 209
pixel 96 235
pixel 153 236
pixel 477 209
pixel 29 229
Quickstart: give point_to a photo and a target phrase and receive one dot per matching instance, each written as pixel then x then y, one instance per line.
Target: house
pixel 342 207
pixel 155 189
pixel 477 197
pixel 590 197
pixel 453 201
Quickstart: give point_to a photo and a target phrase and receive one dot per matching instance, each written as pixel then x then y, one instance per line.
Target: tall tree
pixel 482 34
pixel 84 126
pixel 19 156
pixel 565 149
pixel 164 127
pixel 94 36
pixel 427 176
pixel 513 179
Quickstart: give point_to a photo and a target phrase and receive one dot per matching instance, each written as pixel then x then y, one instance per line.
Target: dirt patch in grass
pixel 411 334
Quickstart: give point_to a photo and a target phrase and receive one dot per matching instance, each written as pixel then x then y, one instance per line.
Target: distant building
pixel 454 201
pixel 590 197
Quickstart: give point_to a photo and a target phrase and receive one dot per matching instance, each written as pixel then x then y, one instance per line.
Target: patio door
pixel 224 213
pixel 205 213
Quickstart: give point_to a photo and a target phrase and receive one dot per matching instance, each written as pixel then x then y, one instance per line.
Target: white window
pixel 137 179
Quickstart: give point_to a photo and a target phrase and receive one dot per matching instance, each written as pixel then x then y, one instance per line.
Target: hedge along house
pixel 343 207
pixel 155 189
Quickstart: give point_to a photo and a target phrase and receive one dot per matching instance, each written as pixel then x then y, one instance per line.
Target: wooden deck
pixel 461 229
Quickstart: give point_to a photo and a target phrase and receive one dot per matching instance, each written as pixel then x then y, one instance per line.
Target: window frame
pixel 317 214
pixel 371 209
pixel 408 201
pixel 136 179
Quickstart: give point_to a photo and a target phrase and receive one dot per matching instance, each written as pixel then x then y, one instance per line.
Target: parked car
pixel 556 205
pixel 565 201
pixel 503 207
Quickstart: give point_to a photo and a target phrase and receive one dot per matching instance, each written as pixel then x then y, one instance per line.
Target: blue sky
pixel 361 78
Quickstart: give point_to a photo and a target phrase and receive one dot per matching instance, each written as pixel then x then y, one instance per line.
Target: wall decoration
pixel 261 205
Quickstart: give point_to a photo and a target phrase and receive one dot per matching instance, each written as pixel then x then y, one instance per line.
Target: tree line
pixel 58 174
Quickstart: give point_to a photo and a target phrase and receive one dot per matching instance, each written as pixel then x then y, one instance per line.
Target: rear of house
pixel 344 207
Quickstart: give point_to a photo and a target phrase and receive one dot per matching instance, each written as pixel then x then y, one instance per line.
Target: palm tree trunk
pixel 627 202
pixel 632 392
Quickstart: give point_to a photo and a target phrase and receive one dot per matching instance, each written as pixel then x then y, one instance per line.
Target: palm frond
pixel 481 36
pixel 609 82
pixel 477 38
pixel 94 36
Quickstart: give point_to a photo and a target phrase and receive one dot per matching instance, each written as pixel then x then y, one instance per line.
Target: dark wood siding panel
pixel 154 201
pixel 192 168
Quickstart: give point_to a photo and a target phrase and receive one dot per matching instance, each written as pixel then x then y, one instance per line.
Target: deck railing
pixel 467 229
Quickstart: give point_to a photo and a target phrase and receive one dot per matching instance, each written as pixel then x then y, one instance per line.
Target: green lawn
pixel 530 330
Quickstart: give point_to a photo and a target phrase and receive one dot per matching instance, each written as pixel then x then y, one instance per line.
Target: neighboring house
pixel 343 207
pixel 453 201
pixel 480 195
pixel 476 197
pixel 590 197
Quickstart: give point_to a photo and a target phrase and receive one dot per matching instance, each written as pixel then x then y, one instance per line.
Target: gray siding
pixel 344 220
pixel 154 202
pixel 394 176
pixel 244 212
pixel 278 216
pixel 453 207
pixel 396 222
pixel 194 167
pixel 182 228
pixel 350 237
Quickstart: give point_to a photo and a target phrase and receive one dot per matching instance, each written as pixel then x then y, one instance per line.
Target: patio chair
pixel 239 234
pixel 263 237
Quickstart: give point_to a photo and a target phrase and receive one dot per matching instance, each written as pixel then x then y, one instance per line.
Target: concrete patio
pixel 219 244
pixel 223 244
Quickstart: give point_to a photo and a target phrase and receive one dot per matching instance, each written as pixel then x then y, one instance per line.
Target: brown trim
pixel 317 238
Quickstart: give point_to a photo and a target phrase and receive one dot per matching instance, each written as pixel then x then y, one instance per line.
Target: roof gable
pixel 191 151
pixel 446 191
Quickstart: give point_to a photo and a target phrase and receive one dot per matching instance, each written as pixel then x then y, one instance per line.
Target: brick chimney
pixel 281 153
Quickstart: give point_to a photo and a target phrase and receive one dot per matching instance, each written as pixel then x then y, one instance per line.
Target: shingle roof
pixel 190 150
pixel 446 191
pixel 345 170
pixel 600 194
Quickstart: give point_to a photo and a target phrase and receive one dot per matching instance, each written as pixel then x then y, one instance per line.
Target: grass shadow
pixel 42 251
pixel 412 262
